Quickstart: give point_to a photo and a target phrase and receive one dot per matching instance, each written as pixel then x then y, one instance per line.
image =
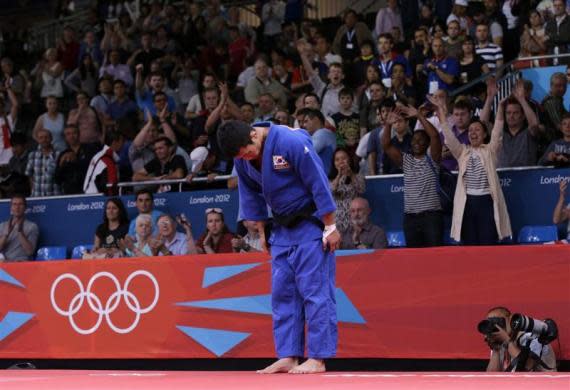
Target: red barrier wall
pixel 409 303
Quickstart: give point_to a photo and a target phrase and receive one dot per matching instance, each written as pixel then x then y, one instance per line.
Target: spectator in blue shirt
pixel 387 58
pixel 122 106
pixel 324 140
pixel 145 98
pixel 441 70
pixel 144 201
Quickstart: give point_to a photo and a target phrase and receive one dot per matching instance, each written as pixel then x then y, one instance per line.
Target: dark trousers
pixel 423 229
pixel 478 226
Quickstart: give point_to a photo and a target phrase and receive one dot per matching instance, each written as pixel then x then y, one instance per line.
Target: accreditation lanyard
pixel 350 35
pixel 386 68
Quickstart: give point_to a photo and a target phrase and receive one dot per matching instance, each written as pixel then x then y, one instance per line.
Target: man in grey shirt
pixel 362 234
pixel 18 236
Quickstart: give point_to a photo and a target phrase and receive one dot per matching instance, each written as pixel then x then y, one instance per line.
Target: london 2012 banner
pixel 402 303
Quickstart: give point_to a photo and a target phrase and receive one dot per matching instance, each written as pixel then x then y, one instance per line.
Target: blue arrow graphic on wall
pixel 12 322
pixel 7 278
pixel 217 341
pixel 213 275
pixel 261 304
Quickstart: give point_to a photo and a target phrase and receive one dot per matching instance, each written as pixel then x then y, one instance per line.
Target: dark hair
pixel 144 191
pixel 387 36
pixel 155 74
pixel 485 128
pixel 164 139
pixel 312 94
pixel 346 92
pixel 123 217
pixel 86 71
pixel 334 172
pixel 19 196
pixel 312 113
pixel 112 136
pixel 424 134
pixel 247 104
pixel 232 136
pixel 18 138
pixel 388 103
pixel 159 93
pixel 121 82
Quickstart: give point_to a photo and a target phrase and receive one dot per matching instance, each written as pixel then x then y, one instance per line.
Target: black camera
pixel 487 326
pixel 546 331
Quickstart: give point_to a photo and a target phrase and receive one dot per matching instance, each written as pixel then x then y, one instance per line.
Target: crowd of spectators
pixel 139 97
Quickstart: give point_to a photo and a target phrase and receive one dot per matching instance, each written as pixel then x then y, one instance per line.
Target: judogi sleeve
pixel 252 203
pixel 309 168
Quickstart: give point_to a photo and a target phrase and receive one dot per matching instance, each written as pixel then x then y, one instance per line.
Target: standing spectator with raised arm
pixel 328 92
pixel 520 146
pixel 480 215
pixel 18 236
pixel 423 220
pixel 561 213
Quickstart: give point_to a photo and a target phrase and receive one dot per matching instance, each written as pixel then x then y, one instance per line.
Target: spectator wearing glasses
pixel 18 236
pixel 217 238
pixel 171 242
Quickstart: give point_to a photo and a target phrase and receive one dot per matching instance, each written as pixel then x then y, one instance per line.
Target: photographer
pixel 514 350
pixel 170 242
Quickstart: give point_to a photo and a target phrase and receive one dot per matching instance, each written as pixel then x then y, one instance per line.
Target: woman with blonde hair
pixel 50 71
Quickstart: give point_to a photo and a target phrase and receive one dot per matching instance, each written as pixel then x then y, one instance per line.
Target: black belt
pixel 304 214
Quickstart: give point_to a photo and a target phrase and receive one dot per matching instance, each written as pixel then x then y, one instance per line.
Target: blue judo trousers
pixel 303 274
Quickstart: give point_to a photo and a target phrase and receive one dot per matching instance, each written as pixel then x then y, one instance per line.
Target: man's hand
pixel 262 240
pixel 331 239
pixel 500 335
pixel 519 92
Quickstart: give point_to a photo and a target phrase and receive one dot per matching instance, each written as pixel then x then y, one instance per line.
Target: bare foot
pixel 311 366
pixel 281 365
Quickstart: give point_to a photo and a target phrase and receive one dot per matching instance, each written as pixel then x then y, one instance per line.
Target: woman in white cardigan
pixel 480 215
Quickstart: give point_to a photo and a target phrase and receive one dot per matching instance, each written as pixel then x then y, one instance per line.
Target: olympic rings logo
pixel 95 304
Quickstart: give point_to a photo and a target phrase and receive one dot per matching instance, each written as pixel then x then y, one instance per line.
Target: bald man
pixel 362 234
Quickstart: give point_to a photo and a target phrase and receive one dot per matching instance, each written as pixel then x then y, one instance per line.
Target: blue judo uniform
pixel 303 274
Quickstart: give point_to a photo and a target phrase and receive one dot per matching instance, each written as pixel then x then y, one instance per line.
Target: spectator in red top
pixel 68 50
pixel 217 238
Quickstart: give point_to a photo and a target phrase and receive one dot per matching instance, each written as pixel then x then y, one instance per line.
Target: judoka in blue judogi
pixel 278 166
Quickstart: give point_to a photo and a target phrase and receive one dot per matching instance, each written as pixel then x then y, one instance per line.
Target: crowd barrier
pixel 531 195
pixel 401 303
